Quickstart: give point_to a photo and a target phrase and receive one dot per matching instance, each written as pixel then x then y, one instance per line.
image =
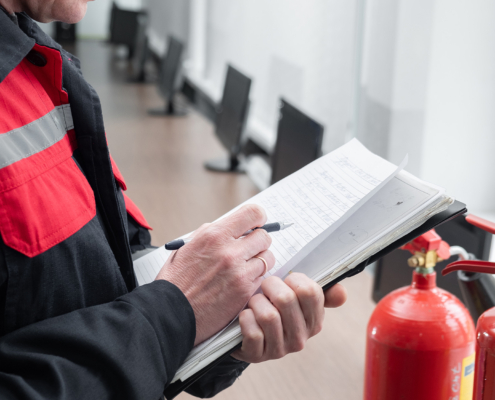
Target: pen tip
pixel 289 224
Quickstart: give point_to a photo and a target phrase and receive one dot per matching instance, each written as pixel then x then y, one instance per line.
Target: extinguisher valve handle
pixel 471 266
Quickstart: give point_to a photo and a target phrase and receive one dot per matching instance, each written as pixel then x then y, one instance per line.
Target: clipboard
pixel 455 209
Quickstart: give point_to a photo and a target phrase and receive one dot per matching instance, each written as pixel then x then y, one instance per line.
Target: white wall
pixel 95 24
pixel 47 28
pixel 394 79
pixel 410 88
pixel 167 17
pixel 302 50
pixel 377 74
pixel 428 89
pixel 459 138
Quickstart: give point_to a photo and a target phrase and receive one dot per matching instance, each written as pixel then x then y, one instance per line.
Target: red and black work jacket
pixel 73 324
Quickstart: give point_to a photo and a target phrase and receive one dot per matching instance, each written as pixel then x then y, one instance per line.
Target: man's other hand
pixel 284 317
pixel 217 271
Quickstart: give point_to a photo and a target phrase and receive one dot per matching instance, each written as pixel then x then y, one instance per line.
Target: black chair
pixel 124 26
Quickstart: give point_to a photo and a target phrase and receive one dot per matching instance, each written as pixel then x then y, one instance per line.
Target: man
pixel 72 322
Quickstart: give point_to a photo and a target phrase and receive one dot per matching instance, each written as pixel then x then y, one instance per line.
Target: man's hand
pixel 284 317
pixel 216 271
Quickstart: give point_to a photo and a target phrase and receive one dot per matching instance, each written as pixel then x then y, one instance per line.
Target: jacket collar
pixel 14 45
pixel 13 16
pixel 17 41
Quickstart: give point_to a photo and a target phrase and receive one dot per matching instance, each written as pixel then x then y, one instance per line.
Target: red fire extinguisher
pixel 420 338
pixel 484 374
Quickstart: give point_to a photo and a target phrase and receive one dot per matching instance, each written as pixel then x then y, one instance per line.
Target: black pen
pixel 271 227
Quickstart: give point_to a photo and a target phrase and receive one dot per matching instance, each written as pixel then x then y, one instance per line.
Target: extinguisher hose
pixel 461 252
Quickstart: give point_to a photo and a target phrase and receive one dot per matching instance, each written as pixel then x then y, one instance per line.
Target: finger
pixel 254 243
pixel 247 217
pixel 256 268
pixel 287 303
pixel 268 318
pixel 335 296
pixel 311 300
pixel 253 341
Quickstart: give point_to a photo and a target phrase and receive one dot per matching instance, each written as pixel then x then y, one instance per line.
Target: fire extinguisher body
pixel 484 386
pixel 420 345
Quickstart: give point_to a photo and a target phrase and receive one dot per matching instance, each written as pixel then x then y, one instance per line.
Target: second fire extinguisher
pixel 481 297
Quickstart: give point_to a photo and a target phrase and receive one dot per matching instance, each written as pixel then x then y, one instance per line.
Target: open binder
pixel 454 210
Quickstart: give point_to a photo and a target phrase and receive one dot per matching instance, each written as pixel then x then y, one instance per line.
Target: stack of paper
pixel 345 206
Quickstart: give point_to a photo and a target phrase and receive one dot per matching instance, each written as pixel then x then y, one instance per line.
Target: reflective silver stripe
pixel 36 136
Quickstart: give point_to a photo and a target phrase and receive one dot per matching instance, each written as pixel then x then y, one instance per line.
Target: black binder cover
pixel 454 210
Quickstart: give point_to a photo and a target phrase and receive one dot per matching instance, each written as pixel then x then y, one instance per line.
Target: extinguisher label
pixel 467 378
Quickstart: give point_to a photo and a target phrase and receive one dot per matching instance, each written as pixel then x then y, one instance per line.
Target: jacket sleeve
pixel 127 349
